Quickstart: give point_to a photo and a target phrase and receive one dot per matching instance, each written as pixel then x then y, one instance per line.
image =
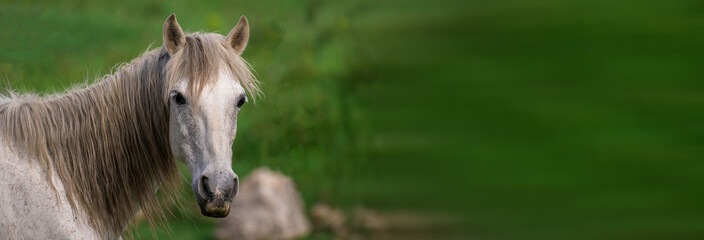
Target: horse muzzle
pixel 218 207
pixel 214 197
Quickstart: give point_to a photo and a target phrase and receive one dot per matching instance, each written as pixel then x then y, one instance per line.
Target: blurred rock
pixel 403 224
pixel 369 220
pixel 268 207
pixel 329 218
pixel 366 223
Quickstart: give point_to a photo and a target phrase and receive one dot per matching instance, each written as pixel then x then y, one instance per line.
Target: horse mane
pixel 109 142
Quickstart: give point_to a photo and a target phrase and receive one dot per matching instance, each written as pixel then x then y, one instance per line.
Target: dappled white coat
pixel 28 205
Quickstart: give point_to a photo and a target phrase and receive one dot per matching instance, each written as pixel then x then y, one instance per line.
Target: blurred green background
pixel 545 119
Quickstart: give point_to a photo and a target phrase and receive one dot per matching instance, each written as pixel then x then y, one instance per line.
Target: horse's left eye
pixel 241 101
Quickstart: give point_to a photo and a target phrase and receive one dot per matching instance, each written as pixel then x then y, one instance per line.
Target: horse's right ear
pixel 173 35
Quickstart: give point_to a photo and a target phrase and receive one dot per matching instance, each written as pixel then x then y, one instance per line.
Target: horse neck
pixel 109 145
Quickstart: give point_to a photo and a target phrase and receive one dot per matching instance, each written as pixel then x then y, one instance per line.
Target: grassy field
pixel 543 119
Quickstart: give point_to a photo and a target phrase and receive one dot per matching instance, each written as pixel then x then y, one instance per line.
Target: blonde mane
pixel 108 142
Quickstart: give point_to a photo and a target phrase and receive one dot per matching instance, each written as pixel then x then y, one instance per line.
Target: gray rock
pixel 267 207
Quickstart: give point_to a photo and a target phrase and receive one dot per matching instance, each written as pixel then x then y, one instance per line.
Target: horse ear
pixel 238 37
pixel 173 35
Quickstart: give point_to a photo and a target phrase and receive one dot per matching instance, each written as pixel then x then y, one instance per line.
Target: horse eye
pixel 179 99
pixel 241 101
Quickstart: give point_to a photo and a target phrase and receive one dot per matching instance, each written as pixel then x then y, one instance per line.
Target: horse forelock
pixel 200 61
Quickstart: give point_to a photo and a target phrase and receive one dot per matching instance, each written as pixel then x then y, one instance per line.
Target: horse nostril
pixel 236 187
pixel 206 187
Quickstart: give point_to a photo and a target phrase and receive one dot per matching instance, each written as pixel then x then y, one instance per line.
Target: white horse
pixel 80 165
